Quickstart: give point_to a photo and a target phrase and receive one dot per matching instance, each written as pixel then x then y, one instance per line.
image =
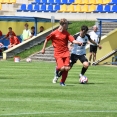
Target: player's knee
pixel 67 68
pixel 86 64
pixel 62 68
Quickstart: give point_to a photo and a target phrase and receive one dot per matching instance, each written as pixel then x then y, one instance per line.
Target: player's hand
pixel 100 47
pixel 43 51
pixel 80 43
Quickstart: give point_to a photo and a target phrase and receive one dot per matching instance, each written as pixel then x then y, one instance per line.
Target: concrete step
pixel 44 55
pixel 43 58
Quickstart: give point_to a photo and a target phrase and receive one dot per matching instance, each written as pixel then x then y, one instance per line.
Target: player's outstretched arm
pixel 100 47
pixel 44 46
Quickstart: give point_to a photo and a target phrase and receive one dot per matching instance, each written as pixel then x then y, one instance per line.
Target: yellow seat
pixel 12 1
pixel 92 1
pixel 0 6
pixel 77 8
pixel 84 8
pixel 92 8
pixel 63 8
pixel 6 1
pixel 85 2
pixel 99 1
pixel 77 2
pixel 1 1
pixel 70 8
pixel 106 1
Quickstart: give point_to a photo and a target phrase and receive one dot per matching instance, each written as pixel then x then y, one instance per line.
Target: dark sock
pixel 58 73
pixel 83 70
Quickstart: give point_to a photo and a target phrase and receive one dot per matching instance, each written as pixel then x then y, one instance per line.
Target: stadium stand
pixel 69 6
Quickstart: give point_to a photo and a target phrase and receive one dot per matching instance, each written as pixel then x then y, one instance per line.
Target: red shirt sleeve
pixel 13 33
pixel 0 33
pixel 7 34
pixel 50 36
pixel 70 37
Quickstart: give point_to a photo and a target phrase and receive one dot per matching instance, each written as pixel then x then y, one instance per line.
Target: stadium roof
pixel 25 19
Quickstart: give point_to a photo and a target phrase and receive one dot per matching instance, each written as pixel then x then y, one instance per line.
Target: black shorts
pixel 74 58
pixel 93 49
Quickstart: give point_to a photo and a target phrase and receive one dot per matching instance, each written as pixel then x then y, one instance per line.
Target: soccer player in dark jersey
pixel 60 38
pixel 78 52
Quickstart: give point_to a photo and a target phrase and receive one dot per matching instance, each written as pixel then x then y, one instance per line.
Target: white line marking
pixel 38 113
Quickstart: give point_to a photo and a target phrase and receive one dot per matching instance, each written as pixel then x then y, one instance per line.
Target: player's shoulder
pixel 76 35
pixel 88 36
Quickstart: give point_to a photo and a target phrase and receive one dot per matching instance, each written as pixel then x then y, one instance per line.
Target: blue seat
pixel 107 9
pixel 63 1
pixel 114 8
pixel 36 8
pixel 42 8
pixel 51 2
pixel 99 8
pixel 36 2
pixel 70 1
pixel 113 2
pixel 50 8
pixel 58 1
pixel 44 2
pixel 22 8
pixel 56 8
pixel 30 7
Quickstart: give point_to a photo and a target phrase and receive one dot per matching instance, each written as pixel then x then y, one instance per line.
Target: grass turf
pixel 26 90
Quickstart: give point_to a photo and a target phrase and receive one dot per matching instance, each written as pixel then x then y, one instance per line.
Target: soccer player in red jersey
pixel 60 38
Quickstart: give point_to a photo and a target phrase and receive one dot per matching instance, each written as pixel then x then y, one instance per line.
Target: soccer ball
pixel 28 60
pixel 83 80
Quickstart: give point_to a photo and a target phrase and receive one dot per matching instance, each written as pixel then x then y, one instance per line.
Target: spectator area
pixel 70 6
pixel 14 21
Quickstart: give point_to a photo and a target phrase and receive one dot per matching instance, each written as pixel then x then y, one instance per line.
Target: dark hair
pixel 10 28
pixel 32 27
pixel 84 28
pixel 26 24
pixel 41 27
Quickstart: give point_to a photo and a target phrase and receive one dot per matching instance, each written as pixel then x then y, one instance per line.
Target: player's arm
pixel 72 40
pixel 44 46
pixel 45 43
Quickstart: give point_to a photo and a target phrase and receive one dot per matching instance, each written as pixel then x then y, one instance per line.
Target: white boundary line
pixel 38 113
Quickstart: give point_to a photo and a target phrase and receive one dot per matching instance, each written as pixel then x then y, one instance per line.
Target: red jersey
pixel 0 33
pixel 14 40
pixel 10 33
pixel 60 43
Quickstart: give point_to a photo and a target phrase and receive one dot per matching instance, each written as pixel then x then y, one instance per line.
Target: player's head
pixel 64 23
pixel 84 30
pixel 10 29
pixel 95 28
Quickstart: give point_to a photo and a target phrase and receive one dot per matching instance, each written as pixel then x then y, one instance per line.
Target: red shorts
pixel 62 62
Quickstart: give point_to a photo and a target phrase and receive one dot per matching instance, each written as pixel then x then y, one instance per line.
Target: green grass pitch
pixel 26 90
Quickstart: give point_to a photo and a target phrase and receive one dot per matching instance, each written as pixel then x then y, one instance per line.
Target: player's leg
pixel 58 70
pixel 66 62
pixel 85 63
